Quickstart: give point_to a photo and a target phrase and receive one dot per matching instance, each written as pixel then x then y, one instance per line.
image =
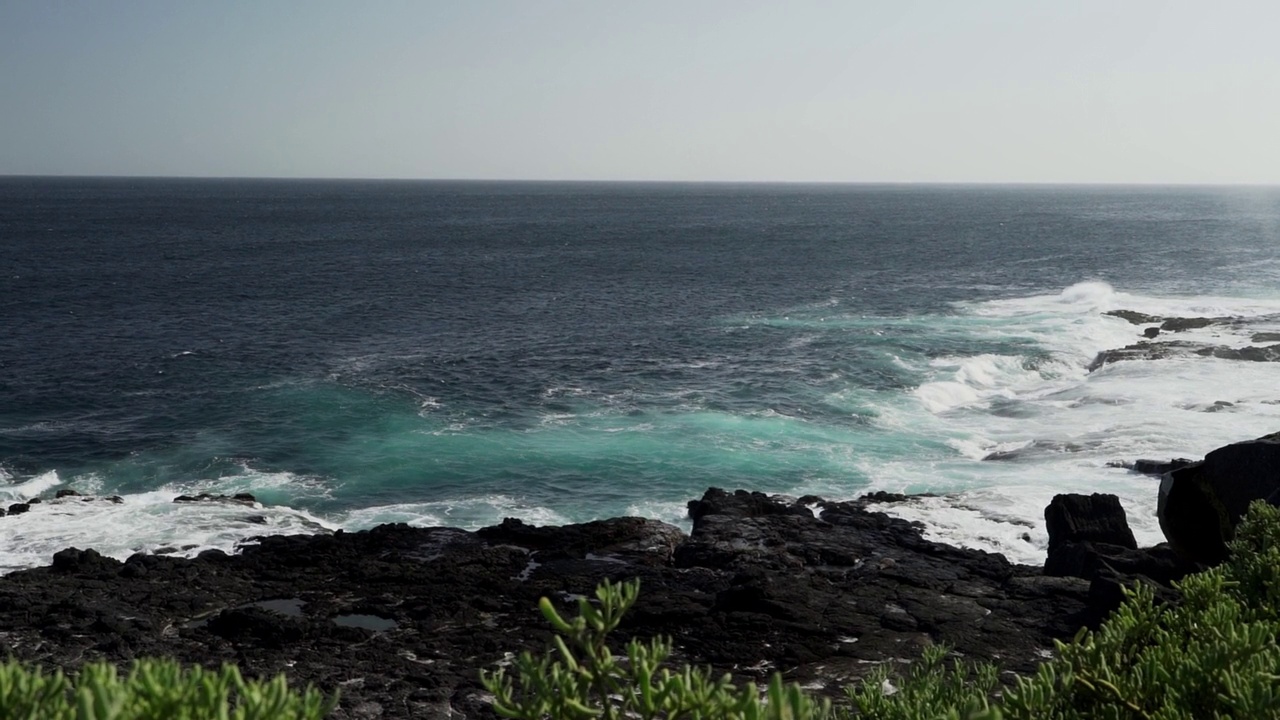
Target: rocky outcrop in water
pixel 1171 324
pixel 1133 317
pixel 1147 350
pixel 1143 350
pixel 1159 467
pixel 400 619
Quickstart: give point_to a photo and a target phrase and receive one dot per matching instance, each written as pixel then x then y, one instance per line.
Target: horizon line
pixel 626 181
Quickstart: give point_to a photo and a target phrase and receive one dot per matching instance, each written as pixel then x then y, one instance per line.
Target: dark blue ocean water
pixel 437 352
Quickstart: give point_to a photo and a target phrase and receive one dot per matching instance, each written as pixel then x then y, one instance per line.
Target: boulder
pixel 1200 504
pixel 73 560
pixel 1088 518
pixel 1081 528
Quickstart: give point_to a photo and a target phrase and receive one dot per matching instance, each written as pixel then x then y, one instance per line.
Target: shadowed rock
pixel 1089 538
pixel 1201 503
pixel 1159 467
pixel 1075 524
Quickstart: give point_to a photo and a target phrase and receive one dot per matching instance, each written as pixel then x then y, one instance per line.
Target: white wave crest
pixel 33 487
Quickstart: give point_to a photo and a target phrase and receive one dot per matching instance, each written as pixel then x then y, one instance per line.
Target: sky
pixel 1030 91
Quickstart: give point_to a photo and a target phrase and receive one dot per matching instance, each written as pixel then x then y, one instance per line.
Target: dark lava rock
pixel 1266 353
pixel 1143 351
pixel 1134 318
pixel 242 498
pixel 1200 504
pixel 874 498
pixel 256 626
pixel 1265 337
pixel 1082 531
pixel 86 561
pixel 1079 528
pixel 1089 538
pixel 1159 467
pixel 19 508
pixel 1087 518
pixel 820 590
pixel 1160 350
pixel 1151 332
pixel 1181 324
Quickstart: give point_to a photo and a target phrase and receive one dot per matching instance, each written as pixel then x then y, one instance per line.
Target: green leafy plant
pixel 580 677
pixel 152 690
pixel 929 689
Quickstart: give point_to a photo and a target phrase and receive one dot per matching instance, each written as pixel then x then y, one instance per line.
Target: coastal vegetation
pixel 153 690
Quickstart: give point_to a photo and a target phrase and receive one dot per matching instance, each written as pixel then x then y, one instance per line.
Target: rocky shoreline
pixel 400 619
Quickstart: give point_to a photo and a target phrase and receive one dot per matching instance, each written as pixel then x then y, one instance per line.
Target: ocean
pixel 452 353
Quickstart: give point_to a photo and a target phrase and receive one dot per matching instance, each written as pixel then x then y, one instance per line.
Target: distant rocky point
pixel 1148 350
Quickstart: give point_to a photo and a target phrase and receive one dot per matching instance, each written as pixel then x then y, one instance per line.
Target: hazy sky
pixel 952 91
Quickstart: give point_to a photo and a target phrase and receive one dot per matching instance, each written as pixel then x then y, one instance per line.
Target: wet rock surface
pixel 400 619
pixel 1144 350
pixel 1133 317
pixel 1149 349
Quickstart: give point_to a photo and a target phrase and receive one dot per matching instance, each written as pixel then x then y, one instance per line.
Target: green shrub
pixel 929 689
pixel 582 678
pixel 153 690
